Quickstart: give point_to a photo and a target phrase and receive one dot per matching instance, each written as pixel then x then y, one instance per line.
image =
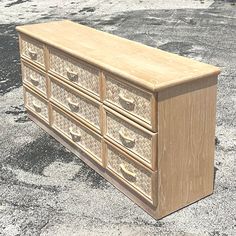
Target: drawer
pixel 36 104
pixel 130 100
pixel 75 72
pixel 34 78
pixel 75 102
pixel 78 134
pixel 32 50
pixel 131 172
pixel 131 137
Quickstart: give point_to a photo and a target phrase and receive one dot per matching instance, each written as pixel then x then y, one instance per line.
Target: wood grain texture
pixel 186 126
pixel 148 67
pixel 154 121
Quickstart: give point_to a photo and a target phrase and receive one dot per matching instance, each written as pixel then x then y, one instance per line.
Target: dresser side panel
pixel 186 131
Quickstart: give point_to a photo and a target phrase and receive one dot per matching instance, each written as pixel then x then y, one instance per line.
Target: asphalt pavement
pixel 47 190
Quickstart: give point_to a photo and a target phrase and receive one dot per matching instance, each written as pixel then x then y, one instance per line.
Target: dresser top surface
pixel 148 67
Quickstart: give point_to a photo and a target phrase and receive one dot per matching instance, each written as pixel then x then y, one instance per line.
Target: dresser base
pixel 103 172
pixel 100 170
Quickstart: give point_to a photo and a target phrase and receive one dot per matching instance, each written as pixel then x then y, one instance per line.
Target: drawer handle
pixel 74 106
pixel 127 173
pixel 126 140
pixel 34 81
pixel 76 136
pixel 37 107
pixel 71 75
pixel 127 103
pixel 32 54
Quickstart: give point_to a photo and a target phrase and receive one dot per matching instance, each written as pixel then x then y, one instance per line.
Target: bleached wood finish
pixel 142 118
pixel 145 66
pixel 186 118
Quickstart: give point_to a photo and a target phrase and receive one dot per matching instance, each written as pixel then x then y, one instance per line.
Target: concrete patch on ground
pixel 59 170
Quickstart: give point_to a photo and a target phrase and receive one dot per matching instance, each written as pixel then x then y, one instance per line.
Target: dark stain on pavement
pixel 91 177
pixel 19 113
pixel 9 57
pixel 16 110
pixel 180 48
pixel 35 156
pixel 16 3
pixel 22 119
pixel 88 9
pixel 8 177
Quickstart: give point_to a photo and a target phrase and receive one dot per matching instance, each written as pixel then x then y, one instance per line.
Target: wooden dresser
pixel 143 118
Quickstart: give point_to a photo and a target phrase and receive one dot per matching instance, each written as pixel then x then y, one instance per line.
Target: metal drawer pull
pixel 76 136
pixel 74 106
pixel 32 54
pixel 71 75
pixel 127 141
pixel 127 173
pixel 34 81
pixel 37 107
pixel 127 103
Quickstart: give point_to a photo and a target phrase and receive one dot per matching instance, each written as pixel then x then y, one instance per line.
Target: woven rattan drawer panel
pixel 75 102
pixel 32 50
pixel 75 71
pixel 34 78
pixel 36 104
pixel 130 136
pixel 129 98
pixel 77 133
pixel 130 171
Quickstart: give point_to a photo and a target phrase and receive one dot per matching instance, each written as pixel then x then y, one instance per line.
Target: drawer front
pixel 75 71
pixel 36 104
pixel 34 78
pixel 75 102
pixel 77 133
pixel 130 99
pixel 130 137
pixel 131 172
pixel 32 50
